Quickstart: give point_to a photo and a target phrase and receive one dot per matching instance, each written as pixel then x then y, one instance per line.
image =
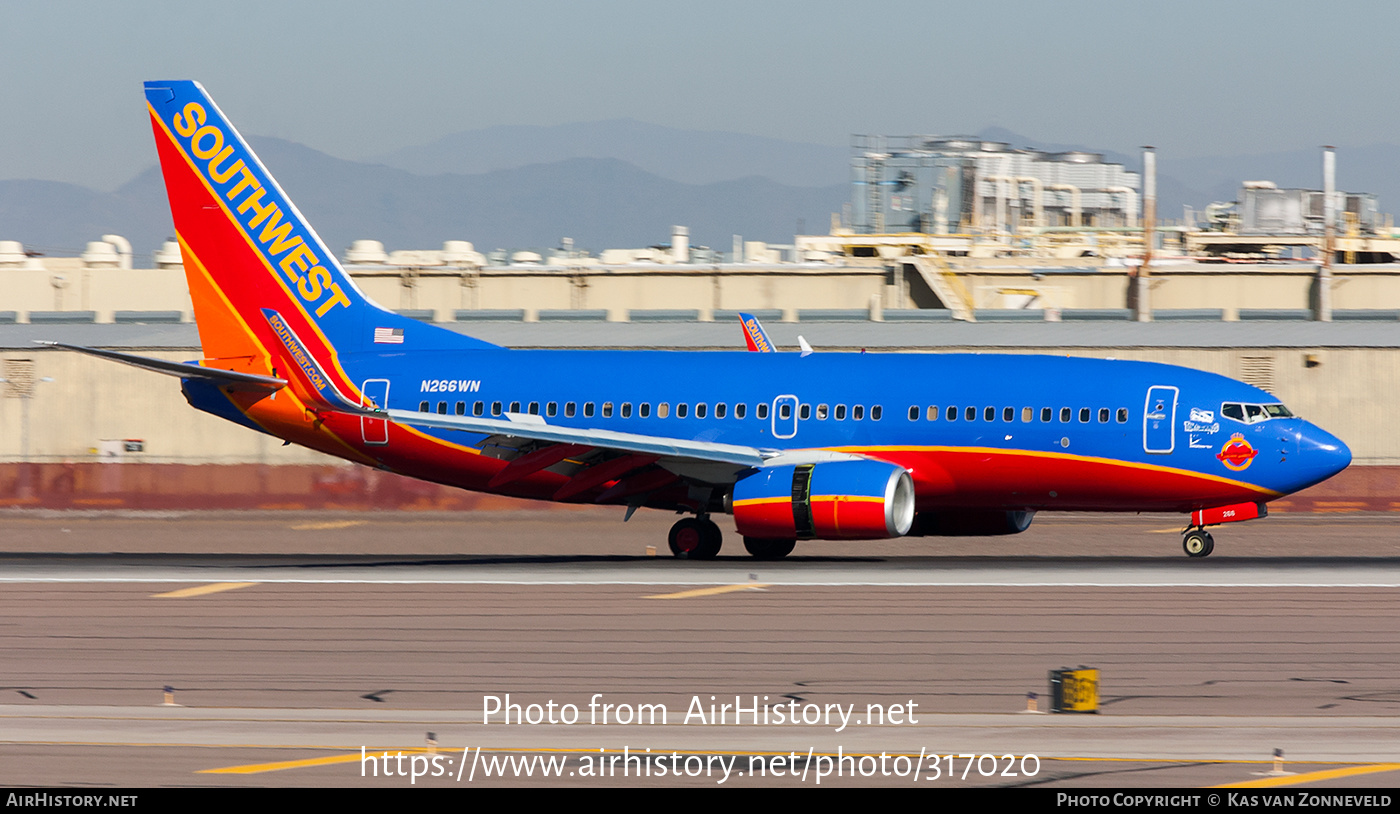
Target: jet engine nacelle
pixel 833 500
pixel 970 523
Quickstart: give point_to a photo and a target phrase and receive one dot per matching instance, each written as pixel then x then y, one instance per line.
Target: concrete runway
pixel 305 637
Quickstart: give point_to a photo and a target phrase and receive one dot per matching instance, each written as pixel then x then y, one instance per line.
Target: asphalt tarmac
pixel 291 640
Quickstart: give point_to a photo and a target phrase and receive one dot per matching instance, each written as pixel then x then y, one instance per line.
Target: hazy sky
pixel 356 79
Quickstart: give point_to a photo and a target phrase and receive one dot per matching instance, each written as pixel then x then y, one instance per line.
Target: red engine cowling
pixel 833 500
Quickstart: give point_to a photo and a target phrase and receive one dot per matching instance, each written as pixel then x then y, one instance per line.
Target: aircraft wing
pixel 185 370
pixel 533 427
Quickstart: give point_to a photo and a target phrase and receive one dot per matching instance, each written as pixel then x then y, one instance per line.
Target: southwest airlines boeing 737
pixel 844 446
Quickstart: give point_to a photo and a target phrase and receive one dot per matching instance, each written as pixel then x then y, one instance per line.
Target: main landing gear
pixel 1197 542
pixel 698 538
pixel 695 538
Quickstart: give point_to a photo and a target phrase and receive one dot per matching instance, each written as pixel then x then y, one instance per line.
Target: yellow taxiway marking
pixel 1311 777
pixel 718 589
pixel 201 590
pixel 327 525
pixel 379 752
pixel 258 768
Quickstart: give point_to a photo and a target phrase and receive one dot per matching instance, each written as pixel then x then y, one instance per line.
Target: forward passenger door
pixel 1159 420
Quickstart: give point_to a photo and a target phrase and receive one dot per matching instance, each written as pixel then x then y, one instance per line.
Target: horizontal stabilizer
pixel 185 370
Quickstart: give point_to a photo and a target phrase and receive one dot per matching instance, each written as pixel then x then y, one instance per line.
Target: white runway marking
pixel 1156 574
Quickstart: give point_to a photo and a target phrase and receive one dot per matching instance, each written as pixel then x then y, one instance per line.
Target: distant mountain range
pixel 599 202
pixel 618 183
pixel 687 156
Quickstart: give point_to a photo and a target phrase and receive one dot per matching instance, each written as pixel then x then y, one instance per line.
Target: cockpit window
pixel 1254 413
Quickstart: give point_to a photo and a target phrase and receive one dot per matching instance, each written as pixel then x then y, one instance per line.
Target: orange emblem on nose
pixel 1237 454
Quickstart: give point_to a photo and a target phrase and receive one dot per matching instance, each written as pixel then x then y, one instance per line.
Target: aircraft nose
pixel 1322 451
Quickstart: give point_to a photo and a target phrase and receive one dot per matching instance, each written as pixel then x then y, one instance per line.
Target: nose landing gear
pixel 695 538
pixel 1197 542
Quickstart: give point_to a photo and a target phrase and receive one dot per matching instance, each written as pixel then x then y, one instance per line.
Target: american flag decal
pixel 388 336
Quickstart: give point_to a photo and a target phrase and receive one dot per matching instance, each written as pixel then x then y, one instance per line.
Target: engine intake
pixel 834 500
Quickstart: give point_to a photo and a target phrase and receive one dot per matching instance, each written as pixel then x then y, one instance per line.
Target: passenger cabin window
pixel 442 408
pixel 626 409
pixel 423 407
pixel 479 408
pixel 914 413
pixel 840 412
pixel 857 412
pixel 1103 415
pixel 1046 414
pixel 876 411
pixel 1084 415
pixel 1027 414
pixel 932 412
pixel 762 412
pixel 551 409
pixel 495 408
pixel 1008 414
pixel 720 410
pixel 701 410
pixel 588 409
pixel 989 414
pixel 682 410
pixel 970 413
pixel 569 409
pixel 951 413
pixel 534 408
pixel 607 409
pixel 460 408
pixel 785 411
pixel 740 410
pixel 1065 415
pixel 804 412
pixel 515 406
pixel 644 409
pixel 662 410
pixel 824 411
pixel 1122 415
